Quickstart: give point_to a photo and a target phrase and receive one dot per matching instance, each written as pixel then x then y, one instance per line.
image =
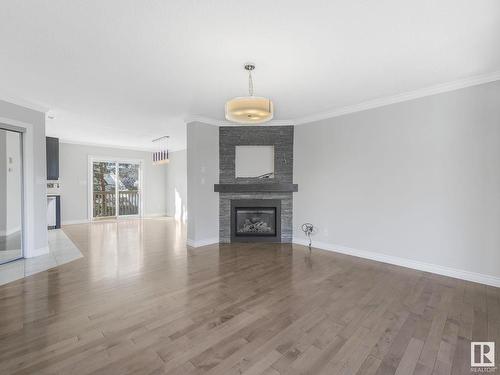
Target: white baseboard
pixel 408 263
pixel 199 243
pixel 84 221
pixel 159 214
pixel 71 222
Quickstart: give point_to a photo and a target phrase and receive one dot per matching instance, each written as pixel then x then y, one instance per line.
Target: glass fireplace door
pixel 260 221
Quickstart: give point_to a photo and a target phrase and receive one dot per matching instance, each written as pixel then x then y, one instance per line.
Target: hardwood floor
pixel 139 302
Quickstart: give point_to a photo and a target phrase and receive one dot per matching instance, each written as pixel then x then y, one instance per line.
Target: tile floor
pixel 61 250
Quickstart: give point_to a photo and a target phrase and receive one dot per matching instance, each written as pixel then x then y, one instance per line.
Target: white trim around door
pixel 28 219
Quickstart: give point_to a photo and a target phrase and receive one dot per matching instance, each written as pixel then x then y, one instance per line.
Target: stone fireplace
pixel 256 209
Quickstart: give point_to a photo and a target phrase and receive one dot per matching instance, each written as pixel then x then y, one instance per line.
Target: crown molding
pixel 370 104
pixel 24 103
pixel 403 97
pixel 93 144
pixel 204 119
pixel 215 122
pixel 117 147
pixel 340 111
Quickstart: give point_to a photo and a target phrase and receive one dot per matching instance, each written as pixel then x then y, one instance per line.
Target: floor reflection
pixel 10 247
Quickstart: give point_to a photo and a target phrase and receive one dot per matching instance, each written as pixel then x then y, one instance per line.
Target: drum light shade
pixel 249 110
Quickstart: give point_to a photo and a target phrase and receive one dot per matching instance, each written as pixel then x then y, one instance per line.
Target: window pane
pixel 104 176
pixel 104 184
pixel 128 185
pixel 129 177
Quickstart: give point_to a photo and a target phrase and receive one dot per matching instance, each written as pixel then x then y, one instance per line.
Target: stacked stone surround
pixel 282 139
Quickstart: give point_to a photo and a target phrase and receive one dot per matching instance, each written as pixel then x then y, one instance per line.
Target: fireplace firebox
pixel 255 220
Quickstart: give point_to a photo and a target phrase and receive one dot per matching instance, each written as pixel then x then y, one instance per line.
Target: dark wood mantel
pixel 256 188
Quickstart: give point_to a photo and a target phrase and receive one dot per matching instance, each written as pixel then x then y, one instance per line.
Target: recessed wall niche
pixel 254 161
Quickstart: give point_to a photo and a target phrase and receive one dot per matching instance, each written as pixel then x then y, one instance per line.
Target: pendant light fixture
pixel 160 155
pixel 249 109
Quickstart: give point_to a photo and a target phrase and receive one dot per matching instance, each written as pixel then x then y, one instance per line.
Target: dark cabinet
pixel 52 149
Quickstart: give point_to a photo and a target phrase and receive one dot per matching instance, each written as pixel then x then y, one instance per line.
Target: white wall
pixel 177 186
pixel 418 180
pixel 73 175
pixel 35 166
pixel 202 174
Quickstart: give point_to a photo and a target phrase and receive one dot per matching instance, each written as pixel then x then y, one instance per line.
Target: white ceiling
pixel 122 72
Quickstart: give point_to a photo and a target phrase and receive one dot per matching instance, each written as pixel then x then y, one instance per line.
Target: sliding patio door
pixel 116 188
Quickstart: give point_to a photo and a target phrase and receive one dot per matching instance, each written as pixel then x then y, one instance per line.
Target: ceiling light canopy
pixel 249 109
